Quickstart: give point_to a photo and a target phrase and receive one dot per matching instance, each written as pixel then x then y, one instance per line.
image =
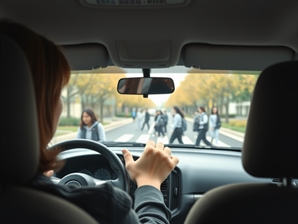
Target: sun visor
pixel 86 56
pixel 144 54
pixel 206 57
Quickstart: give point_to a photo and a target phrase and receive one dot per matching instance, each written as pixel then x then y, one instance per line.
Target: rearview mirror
pixel 145 85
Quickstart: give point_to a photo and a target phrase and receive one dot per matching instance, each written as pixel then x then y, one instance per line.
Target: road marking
pixel 124 138
pixel 186 140
pixel 232 136
pixel 219 142
pixel 164 140
pixel 151 129
pixel 143 138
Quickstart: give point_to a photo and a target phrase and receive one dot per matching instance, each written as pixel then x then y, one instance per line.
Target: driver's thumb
pixel 127 156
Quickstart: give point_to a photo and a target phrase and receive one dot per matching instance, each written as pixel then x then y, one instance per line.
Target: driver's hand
pixel 153 166
pixel 49 173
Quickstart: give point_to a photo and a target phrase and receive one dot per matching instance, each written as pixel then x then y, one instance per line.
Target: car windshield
pixel 135 119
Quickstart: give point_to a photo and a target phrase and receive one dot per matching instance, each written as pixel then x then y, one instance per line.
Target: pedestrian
pixel 203 127
pixel 50 73
pixel 139 118
pixel 90 128
pixel 196 121
pixel 165 119
pixel 155 127
pixel 133 114
pixel 177 125
pixel 215 124
pixel 146 119
pixel 159 123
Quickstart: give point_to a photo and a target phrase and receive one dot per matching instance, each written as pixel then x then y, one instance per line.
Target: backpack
pixel 161 121
pixel 218 123
pixel 196 124
pixel 184 125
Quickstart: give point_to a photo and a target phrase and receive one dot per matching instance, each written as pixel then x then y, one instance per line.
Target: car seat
pixel 20 149
pixel 269 151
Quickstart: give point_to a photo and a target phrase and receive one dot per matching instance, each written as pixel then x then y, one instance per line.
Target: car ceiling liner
pixel 220 57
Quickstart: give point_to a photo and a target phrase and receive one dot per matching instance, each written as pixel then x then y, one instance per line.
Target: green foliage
pixel 123 115
pixel 71 121
pixel 222 116
pixel 212 89
pixel 234 128
pixel 238 123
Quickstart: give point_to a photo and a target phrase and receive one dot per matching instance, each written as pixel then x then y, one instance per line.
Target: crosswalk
pixel 143 138
pixel 124 138
pixel 133 134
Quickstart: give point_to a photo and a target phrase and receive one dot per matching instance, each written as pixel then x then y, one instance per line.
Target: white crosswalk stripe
pixel 219 142
pixel 143 138
pixel 186 140
pixel 151 129
pixel 124 138
pixel 164 140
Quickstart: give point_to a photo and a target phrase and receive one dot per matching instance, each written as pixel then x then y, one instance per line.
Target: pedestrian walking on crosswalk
pixel 177 125
pixel 146 119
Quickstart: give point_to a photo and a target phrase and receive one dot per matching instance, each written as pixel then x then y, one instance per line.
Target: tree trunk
pixel 92 103
pixel 68 103
pixel 227 109
pixel 101 103
pixel 83 101
pixel 195 106
pixel 221 103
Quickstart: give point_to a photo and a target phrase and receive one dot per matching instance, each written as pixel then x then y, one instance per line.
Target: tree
pixel 134 101
pixel 77 84
pixel 245 88
pixel 102 88
pixel 211 90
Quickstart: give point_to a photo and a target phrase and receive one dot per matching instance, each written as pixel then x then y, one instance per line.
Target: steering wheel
pixel 80 179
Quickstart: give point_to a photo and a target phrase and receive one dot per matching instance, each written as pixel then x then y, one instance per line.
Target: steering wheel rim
pixel 122 181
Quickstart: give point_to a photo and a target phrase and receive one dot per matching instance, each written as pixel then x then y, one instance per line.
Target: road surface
pixel 130 133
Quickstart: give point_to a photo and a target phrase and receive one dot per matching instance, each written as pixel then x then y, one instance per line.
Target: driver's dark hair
pixel 178 111
pixel 91 113
pixel 50 72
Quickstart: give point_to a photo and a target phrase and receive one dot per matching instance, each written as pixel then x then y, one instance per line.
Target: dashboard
pixel 95 166
pixel 198 171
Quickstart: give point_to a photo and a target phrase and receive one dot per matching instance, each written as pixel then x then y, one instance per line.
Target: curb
pixel 108 127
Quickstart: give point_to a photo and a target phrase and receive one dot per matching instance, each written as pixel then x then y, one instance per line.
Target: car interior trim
pixel 221 57
pixel 95 56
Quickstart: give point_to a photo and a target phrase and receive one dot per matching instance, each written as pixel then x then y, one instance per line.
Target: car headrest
pixel 19 136
pixel 270 143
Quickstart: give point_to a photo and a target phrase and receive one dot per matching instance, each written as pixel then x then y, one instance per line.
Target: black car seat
pixel 20 151
pixel 269 151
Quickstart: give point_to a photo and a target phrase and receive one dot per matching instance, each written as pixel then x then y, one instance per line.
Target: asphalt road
pixel 130 133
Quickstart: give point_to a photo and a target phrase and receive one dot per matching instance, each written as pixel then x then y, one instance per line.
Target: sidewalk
pixel 113 123
pixel 239 136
